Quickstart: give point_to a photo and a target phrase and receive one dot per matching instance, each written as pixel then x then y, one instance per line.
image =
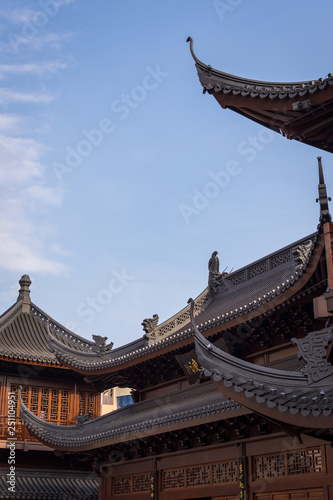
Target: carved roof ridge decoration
pixel 257 288
pixel 299 110
pixel 296 398
pixel 197 404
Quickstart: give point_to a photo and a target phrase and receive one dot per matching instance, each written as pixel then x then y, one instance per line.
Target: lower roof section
pixel 198 404
pixel 303 398
pixel 33 484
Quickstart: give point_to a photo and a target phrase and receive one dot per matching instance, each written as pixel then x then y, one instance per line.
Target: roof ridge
pixel 60 329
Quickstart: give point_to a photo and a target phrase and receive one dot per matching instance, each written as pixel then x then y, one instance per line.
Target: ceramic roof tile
pixel 34 484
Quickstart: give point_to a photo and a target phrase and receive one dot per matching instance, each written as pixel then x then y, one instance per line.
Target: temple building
pixel 233 395
pixel 52 391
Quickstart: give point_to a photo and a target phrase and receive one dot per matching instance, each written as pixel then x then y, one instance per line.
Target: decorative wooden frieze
pixel 199 475
pixel 308 461
pixel 258 269
pixel 280 259
pixel 304 462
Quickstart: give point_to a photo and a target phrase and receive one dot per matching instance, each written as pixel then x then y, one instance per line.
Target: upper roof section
pixel 297 110
pixel 243 294
pixel 24 331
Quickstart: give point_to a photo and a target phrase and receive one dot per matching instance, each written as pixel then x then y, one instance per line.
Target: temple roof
pixel 303 398
pixel 297 110
pixel 24 333
pixel 247 292
pixel 197 404
pixel 51 484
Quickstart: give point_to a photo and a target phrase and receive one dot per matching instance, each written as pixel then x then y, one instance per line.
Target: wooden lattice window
pixel 174 478
pixel 131 484
pixel 195 476
pixel 141 483
pixel 225 472
pixel 49 404
pixel 87 403
pixel 269 466
pixel 122 485
pixel 308 461
pixel 305 462
pixel 216 473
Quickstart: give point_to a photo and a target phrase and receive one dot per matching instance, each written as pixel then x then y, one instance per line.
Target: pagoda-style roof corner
pixel 299 110
pixel 24 331
pixel 303 399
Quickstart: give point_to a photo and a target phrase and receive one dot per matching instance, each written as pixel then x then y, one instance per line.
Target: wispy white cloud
pixel 20 159
pixel 23 15
pixel 8 96
pixel 27 239
pixel 22 249
pixel 35 69
pixel 37 42
pixel 24 236
pixel 10 122
pixel 45 195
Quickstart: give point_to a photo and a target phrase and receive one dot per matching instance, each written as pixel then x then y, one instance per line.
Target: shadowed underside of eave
pixel 298 110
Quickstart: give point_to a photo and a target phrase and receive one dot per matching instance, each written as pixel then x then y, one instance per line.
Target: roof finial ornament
pixel 323 199
pixel 189 39
pixel 24 293
pixel 149 326
pixel 215 278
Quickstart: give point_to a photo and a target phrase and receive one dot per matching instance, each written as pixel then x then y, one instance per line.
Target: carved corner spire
pixel 323 199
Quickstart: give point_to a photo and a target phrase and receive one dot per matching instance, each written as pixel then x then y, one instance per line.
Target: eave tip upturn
pixel 190 39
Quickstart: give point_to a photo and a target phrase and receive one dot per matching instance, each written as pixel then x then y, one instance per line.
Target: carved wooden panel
pixel 47 403
pixel 309 461
pixel 195 476
pixel 141 482
pixel 305 462
pixel 225 472
pixel 87 403
pixel 269 466
pixel 131 484
pixel 174 478
pixel 122 485
pixel 198 475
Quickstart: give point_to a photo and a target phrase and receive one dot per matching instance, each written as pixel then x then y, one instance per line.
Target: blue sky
pixel 107 144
